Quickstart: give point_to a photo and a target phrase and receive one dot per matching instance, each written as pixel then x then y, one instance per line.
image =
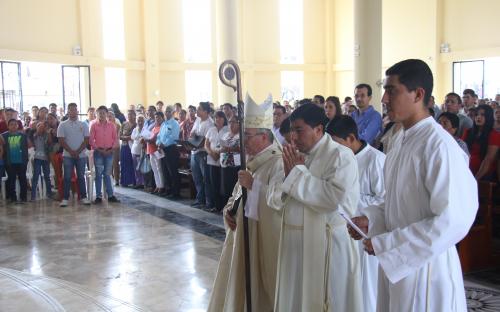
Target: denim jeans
pixel 39 165
pixel 199 170
pixel 69 164
pixel 103 166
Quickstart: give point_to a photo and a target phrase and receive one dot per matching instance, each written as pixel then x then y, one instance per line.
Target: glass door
pixel 11 94
pixel 76 86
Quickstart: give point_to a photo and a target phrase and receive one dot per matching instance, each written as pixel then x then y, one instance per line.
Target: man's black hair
pixel 365 85
pixel 312 115
pixel 459 99
pixel 413 74
pixel 305 102
pixel 160 114
pixel 283 109
pixel 205 106
pixel 285 126
pixel 102 107
pixel 342 126
pixel 469 92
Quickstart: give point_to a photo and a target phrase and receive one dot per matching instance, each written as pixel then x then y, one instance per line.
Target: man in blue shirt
pixel 368 120
pixel 166 140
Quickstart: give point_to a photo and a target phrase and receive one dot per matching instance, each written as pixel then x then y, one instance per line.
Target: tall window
pixel 116 86
pixel 198 86
pixel 291 31
pixel 468 75
pixel 491 78
pixel 292 85
pixel 197 31
pixel 42 84
pixel 113 33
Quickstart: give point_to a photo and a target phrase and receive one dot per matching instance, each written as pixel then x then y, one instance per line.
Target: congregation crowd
pixel 143 149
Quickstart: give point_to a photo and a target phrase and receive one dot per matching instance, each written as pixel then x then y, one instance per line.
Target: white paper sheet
pixel 237 159
pixel 354 226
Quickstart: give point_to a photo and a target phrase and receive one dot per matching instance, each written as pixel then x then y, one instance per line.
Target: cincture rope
pixel 427 300
pixel 326 304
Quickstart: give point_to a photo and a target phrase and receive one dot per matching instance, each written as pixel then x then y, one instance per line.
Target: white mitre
pixel 258 116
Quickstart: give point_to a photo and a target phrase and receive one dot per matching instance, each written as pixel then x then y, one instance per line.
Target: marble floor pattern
pixel 144 254
pixel 131 256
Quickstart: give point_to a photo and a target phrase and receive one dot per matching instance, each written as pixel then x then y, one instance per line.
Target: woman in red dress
pixel 483 142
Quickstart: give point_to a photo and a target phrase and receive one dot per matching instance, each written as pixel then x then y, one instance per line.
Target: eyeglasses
pixel 249 135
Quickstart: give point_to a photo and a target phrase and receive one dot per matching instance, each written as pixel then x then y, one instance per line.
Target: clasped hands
pixel 362 223
pixel 291 158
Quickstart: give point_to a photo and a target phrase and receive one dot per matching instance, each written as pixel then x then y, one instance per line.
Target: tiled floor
pixel 131 256
pixel 144 254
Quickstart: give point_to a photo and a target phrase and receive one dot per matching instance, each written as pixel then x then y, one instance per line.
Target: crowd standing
pixel 308 161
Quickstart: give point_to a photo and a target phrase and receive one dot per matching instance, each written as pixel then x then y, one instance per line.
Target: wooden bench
pixel 475 250
pixel 185 171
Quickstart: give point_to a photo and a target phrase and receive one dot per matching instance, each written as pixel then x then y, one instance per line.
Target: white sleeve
pixel 453 202
pixel 338 186
pixel 373 191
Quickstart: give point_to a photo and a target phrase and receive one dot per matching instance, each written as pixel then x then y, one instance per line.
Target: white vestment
pixel 228 293
pixel 372 189
pixel 430 204
pixel 318 267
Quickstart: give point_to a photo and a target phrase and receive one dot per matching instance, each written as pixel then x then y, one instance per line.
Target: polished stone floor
pixel 133 256
pixel 144 254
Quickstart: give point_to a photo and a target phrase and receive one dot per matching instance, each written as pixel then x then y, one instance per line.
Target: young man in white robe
pixel 318 263
pixel 343 130
pixel 264 175
pixel 430 203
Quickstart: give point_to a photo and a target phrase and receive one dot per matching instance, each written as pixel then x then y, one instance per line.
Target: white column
pixel 151 51
pixel 368 46
pixel 226 43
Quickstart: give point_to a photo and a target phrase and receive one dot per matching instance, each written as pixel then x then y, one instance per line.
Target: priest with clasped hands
pixel 318 262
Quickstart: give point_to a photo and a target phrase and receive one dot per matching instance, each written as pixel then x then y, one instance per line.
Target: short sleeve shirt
pixel 74 133
pixel 200 128
pixel 15 148
pixel 40 143
pixel 214 137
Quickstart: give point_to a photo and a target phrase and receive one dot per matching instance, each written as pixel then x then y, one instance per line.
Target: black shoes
pixel 113 199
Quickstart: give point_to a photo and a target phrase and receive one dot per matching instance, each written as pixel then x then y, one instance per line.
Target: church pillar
pixel 368 46
pixel 226 43
pixel 151 51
